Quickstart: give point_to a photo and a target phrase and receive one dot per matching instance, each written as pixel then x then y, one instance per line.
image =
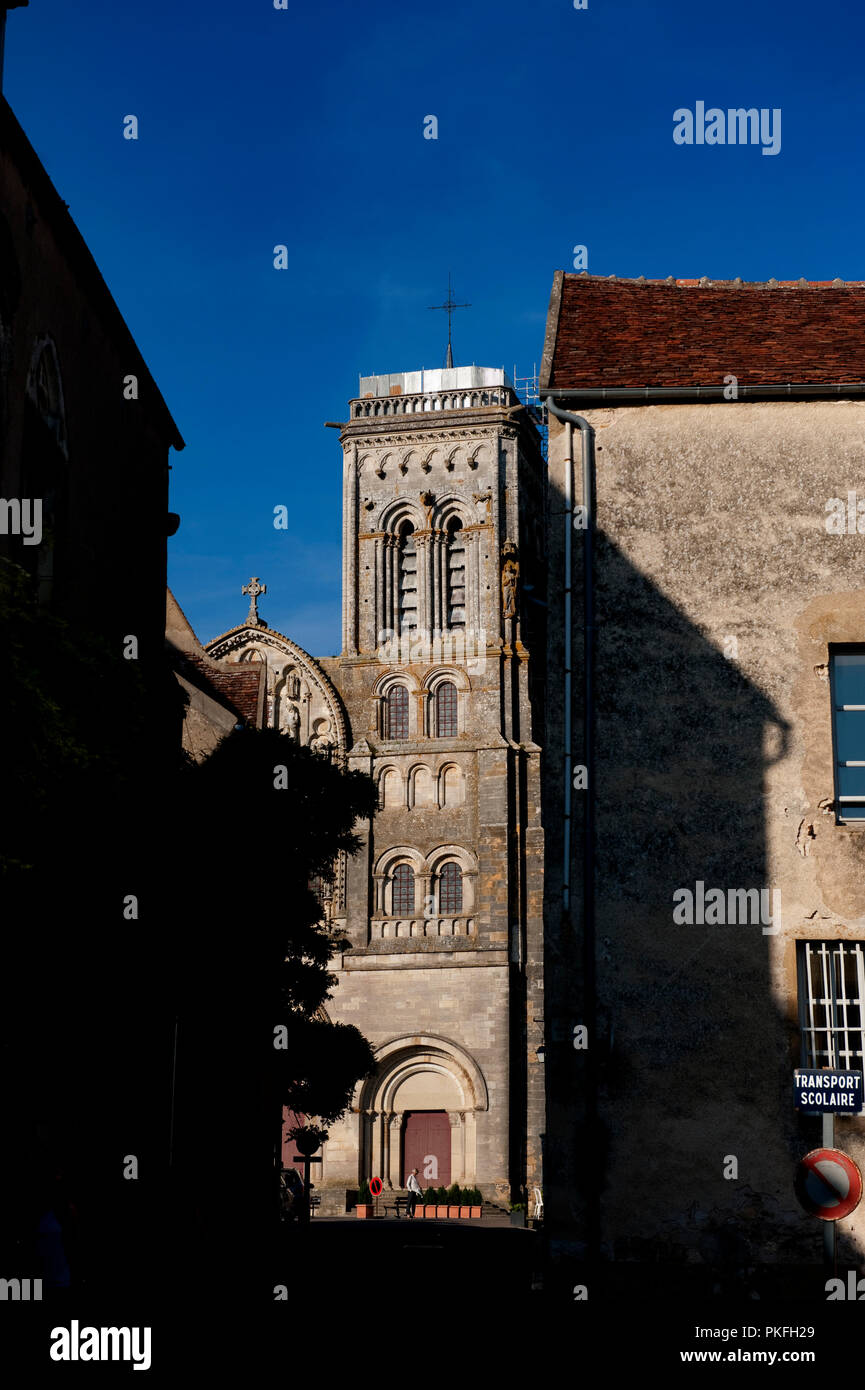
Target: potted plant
pixel 465 1200
pixel 364 1208
pixel 441 1203
pixel 428 1209
pixel 476 1202
pixel 453 1196
pixel 518 1213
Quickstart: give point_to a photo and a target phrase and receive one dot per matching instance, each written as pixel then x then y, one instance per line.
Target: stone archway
pixel 420 1073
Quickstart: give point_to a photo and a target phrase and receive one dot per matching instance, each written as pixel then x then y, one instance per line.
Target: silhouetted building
pixel 84 432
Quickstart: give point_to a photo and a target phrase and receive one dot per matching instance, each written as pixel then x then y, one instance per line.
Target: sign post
pixel 830 1230
pixel 829 1186
pixel 827 1093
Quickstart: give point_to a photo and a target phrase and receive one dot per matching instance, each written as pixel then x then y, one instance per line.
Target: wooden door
pixel 427 1147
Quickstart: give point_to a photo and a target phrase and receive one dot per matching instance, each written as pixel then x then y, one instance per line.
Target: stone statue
pixel 291 721
pixel 510 580
pixel 322 742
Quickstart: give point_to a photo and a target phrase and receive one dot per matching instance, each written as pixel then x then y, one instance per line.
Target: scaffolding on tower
pixel 526 388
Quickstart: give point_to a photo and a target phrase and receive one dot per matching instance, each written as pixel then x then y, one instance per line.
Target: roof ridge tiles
pixel 706 282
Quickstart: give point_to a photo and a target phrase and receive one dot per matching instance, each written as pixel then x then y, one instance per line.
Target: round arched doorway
pixel 419 1111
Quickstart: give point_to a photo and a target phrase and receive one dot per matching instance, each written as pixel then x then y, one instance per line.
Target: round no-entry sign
pixel 828 1184
pixel 375 1186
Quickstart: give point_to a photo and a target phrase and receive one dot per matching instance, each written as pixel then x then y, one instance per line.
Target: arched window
pixel 456 574
pixel 396 712
pixel 451 888
pixel 407 578
pixel 402 901
pixel 446 724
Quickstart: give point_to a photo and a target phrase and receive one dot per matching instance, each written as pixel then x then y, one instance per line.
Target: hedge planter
pixel 364 1210
pixel 465 1213
pixel 475 1212
pixel 429 1213
pixel 453 1212
pixel 441 1213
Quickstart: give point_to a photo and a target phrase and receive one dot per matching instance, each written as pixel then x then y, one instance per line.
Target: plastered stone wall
pixel 718 590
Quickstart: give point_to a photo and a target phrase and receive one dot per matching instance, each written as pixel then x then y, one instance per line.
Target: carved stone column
pixel 377 1155
pixel 442 579
pixel 473 607
pixel 470 878
pixel 390 556
pixel 384 1170
pixel 376 723
pixel 422 540
pixel 423 729
pixel 470 1148
pixel 458 1161
pixel 379 881
pixel 378 621
pixel 367 1165
pixel 424 883
pixel 395 1150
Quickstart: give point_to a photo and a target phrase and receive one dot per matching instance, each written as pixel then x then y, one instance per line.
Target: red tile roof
pixel 236 686
pixel 632 333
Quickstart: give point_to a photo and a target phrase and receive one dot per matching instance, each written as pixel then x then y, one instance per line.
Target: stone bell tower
pixel 440 674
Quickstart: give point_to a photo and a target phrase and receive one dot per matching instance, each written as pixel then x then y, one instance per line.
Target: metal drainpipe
pixel 587 433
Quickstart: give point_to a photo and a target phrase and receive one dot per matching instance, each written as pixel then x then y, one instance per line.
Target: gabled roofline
pixel 552 330
pixel 69 238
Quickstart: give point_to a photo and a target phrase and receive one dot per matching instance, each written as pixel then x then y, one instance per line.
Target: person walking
pixel 414 1191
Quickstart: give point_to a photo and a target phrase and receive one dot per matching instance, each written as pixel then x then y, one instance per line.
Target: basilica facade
pixel 437 695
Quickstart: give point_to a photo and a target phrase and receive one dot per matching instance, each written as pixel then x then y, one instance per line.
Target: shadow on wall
pixel 697 1138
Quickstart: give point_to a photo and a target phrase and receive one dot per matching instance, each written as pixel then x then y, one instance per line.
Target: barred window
pixel 847 679
pixel 396 712
pixel 403 891
pixel 446 710
pixel 831 993
pixel 451 888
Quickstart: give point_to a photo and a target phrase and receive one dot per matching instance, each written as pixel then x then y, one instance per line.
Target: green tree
pixel 265 817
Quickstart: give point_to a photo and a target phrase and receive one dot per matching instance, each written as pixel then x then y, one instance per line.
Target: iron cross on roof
pixel 449 306
pixel 253 588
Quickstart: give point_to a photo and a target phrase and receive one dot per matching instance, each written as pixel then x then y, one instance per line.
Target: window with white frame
pixel 847 681
pixel 831 994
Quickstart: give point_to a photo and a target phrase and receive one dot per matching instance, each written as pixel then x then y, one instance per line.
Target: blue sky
pixel 304 127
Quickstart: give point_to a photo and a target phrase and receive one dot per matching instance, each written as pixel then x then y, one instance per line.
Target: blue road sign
pixel 829 1092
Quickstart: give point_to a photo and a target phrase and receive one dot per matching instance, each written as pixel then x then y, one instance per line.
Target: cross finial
pixel 253 588
pixel 449 306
